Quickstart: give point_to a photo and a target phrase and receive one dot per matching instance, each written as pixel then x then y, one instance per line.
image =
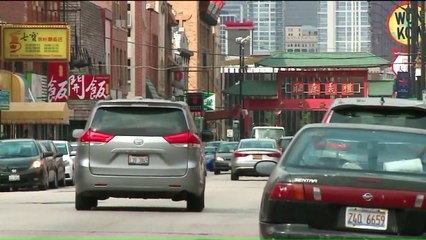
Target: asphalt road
pixel 232 209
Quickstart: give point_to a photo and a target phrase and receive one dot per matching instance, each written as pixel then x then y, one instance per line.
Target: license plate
pixel 257 156
pixel 14 178
pixel 138 160
pixel 366 218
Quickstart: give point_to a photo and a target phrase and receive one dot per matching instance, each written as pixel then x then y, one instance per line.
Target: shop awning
pixel 254 88
pixel 36 113
pixel 322 60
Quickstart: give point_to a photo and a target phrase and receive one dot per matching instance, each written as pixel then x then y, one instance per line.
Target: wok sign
pixel 399 24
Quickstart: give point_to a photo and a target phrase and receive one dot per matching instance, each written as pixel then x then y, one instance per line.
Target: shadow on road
pixel 140 209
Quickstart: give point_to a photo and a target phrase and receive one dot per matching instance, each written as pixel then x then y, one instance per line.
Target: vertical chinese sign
pixel 297 87
pixel 330 87
pixel 314 87
pixel 57 88
pixel 88 86
pixel 347 88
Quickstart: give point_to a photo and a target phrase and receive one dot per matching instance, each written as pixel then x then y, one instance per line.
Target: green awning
pixel 254 88
pixel 380 88
pixel 322 60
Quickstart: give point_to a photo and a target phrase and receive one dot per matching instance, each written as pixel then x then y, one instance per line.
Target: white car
pixel 65 148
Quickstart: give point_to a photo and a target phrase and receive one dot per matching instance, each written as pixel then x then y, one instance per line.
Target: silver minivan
pixel 141 148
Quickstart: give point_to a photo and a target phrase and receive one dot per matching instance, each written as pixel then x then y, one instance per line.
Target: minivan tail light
pixel 288 191
pixel 182 137
pixel 240 154
pixel 96 136
pixel 274 154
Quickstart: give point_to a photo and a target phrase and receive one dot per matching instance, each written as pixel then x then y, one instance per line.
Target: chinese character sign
pixel 314 88
pixel 330 87
pixel 348 88
pixel 88 86
pixel 57 88
pixel 36 42
pixel 297 87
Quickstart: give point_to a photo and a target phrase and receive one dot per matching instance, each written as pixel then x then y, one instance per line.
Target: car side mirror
pixel 77 133
pixel 73 153
pixel 207 135
pixel 47 154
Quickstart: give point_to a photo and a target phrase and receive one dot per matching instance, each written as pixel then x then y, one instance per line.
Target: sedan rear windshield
pixel 257 144
pixel 16 149
pixel 139 121
pixel 393 117
pixel 359 150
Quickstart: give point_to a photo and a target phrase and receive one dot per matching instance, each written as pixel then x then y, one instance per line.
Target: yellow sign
pixel 36 42
pixel 399 23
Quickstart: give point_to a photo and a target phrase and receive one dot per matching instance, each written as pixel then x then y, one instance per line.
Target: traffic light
pixel 195 101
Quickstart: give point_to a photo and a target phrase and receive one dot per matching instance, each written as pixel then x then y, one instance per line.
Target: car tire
pixel 234 177
pixel 195 203
pixel 216 172
pixel 4 189
pixel 63 182
pixel 55 183
pixel 85 203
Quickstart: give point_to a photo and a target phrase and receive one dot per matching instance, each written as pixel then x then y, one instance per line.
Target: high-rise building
pixel 268 18
pixel 301 38
pixel 344 26
pixel 232 11
pixel 301 13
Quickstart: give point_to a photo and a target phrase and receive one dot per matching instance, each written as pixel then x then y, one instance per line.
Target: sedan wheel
pixel 45 183
pixel 234 177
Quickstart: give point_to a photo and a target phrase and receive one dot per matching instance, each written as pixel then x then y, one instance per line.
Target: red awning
pixel 222 114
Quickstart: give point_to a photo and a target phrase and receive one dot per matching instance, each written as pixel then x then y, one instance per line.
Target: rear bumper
pixel 275 231
pixel 174 187
pixel 222 165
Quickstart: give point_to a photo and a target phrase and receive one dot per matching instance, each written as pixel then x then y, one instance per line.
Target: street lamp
pixel 242 41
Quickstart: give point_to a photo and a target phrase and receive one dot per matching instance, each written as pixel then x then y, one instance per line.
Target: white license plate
pixel 14 178
pixel 138 160
pixel 366 218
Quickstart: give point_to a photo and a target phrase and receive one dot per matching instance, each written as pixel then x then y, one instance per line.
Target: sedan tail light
pixel 240 154
pixel 274 154
pixel 182 137
pixel 288 191
pixel 96 136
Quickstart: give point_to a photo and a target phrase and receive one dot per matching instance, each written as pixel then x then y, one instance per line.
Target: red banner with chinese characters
pixel 348 88
pixel 88 86
pixel 57 88
pixel 314 87
pixel 297 87
pixel 330 87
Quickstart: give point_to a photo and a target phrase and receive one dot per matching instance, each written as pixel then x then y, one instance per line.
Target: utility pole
pixel 414 44
pixel 242 41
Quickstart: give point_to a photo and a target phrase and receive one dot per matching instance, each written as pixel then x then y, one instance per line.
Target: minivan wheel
pixel 216 172
pixel 195 203
pixel 85 203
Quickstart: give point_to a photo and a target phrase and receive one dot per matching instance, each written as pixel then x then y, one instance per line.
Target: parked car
pixel 149 156
pixel 57 173
pixel 209 155
pixel 214 144
pixel 23 164
pixel 65 148
pixel 222 160
pixel 376 110
pixel 248 152
pixel 284 142
pixel 346 181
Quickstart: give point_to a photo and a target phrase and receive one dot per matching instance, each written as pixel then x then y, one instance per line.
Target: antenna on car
pixel 382 100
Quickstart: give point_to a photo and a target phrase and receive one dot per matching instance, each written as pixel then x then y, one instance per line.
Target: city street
pixel 231 211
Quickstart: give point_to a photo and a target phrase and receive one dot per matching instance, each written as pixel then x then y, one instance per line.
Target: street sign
pixel 4 99
pixel 209 101
pixel 230 133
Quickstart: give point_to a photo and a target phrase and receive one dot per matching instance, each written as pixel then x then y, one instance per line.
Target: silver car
pixel 65 148
pixel 142 148
pixel 249 152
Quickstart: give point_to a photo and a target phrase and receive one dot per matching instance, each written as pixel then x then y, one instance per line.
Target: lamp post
pixel 242 41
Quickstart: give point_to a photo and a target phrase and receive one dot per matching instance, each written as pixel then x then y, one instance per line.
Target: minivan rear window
pixel 392 117
pixel 139 121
